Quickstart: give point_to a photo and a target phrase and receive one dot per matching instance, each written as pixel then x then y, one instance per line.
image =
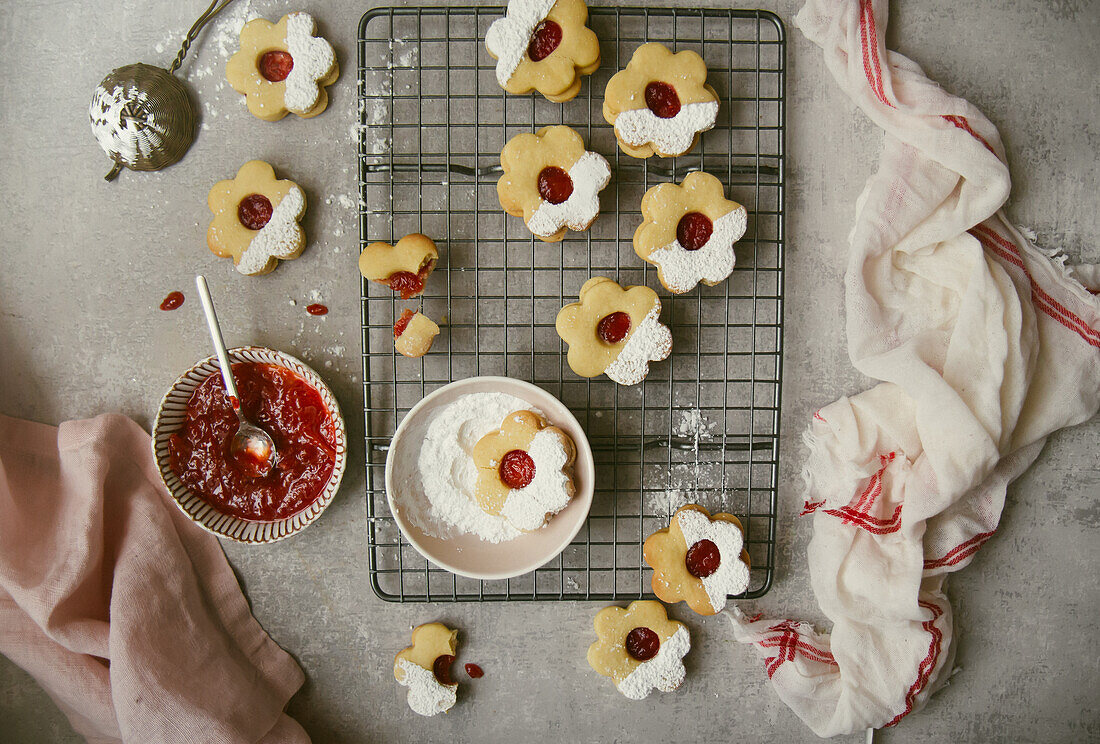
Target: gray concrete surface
pixel 84 265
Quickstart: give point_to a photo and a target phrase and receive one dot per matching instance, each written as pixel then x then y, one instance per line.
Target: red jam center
pixel 172 301
pixel 642 643
pixel 614 328
pixel 703 559
pixel 254 211
pixel 517 469
pixel 408 283
pixel 555 185
pixel 545 40
pixel 317 309
pixel 289 409
pixel 694 230
pixel 474 671
pixel 276 65
pixel 662 100
pixel 442 669
pixel 402 322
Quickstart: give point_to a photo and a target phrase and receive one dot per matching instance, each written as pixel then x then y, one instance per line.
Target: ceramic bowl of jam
pixel 288 399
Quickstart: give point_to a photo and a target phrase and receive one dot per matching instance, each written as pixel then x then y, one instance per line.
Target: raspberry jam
pixel 517 469
pixel 317 309
pixel 408 283
pixel 613 328
pixel 662 100
pixel 694 230
pixel 545 40
pixel 254 211
pixel 402 322
pixel 642 643
pixel 172 301
pixel 474 671
pixel 703 559
pixel 555 185
pixel 289 409
pixel 442 669
pixel 275 66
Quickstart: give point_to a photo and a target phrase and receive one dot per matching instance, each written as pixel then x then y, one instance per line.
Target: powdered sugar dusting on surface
pixel 435 488
pixel 651 342
pixel 313 59
pixel 281 237
pixel 664 672
pixel 682 269
pixel 732 576
pixel 589 175
pixel 673 136
pixel 427 696
pixel 529 507
pixel 123 124
pixel 508 37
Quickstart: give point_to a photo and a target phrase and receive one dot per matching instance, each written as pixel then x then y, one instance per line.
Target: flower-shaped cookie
pixel 413 334
pixel 640 648
pixel 425 668
pixel 524 470
pixel 256 219
pixel 551 181
pixel 614 331
pixel 660 102
pixel 282 67
pixel 699 559
pixel 688 232
pixel 543 45
pixel 403 267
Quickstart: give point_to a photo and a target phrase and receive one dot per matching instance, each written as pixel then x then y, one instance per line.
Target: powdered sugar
pixel 281 237
pixel 682 269
pixel 313 59
pixel 589 175
pixel 435 488
pixel 650 342
pixel 508 37
pixel 123 123
pixel 673 136
pixel 427 695
pixel 664 672
pixel 529 507
pixel 732 576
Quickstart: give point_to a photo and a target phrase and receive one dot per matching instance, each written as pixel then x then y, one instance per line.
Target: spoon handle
pixel 219 344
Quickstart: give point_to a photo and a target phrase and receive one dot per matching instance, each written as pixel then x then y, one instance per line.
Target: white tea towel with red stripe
pixel 984 345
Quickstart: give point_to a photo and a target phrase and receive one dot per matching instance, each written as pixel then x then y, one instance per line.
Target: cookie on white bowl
pixel 191 464
pixel 431 479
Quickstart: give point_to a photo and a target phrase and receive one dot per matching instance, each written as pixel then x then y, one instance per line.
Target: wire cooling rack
pixel 704 426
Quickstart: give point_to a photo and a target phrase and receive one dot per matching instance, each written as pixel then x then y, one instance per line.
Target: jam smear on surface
pixel 442 669
pixel 408 283
pixel 702 559
pixel 662 100
pixel 317 309
pixel 172 301
pixel 555 185
pixel 545 40
pixel 290 410
pixel 254 211
pixel 474 671
pixel 402 322
pixel 517 469
pixel 614 328
pixel 642 643
pixel 694 230
pixel 276 65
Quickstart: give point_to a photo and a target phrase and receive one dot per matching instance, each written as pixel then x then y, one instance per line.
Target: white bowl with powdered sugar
pixel 430 479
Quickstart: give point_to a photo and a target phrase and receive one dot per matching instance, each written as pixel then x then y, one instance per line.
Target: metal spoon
pixel 251 445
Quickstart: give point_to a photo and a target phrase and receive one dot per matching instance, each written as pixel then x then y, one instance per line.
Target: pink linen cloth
pixel 983 345
pixel 124 610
